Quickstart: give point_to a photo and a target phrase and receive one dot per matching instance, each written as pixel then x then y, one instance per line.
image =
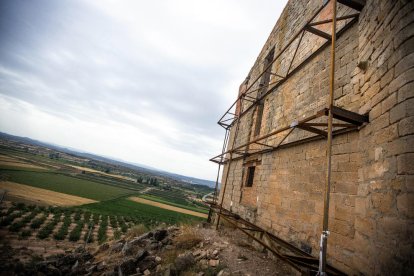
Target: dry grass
pixel 188 238
pixel 38 195
pixel 167 207
pixel 136 231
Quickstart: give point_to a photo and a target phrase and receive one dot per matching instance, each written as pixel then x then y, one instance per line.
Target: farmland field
pixel 64 184
pixel 42 196
pixel 160 200
pixel 167 207
pixel 144 213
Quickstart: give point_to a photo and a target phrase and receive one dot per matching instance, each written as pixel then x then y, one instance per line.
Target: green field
pixel 64 184
pixel 145 214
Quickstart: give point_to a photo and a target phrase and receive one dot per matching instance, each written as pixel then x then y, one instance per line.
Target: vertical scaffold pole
pixel 229 163
pixel 226 137
pixel 325 229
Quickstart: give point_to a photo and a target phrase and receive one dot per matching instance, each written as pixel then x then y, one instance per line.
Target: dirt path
pixel 146 190
pixel 168 207
pixel 38 195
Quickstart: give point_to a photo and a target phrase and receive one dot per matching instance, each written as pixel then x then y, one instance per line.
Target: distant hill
pixel 110 160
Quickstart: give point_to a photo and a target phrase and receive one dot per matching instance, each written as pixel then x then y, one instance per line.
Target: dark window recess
pixel 264 83
pixel 250 176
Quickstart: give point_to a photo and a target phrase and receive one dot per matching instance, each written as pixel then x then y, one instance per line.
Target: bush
pixel 63 231
pixel 9 219
pixel 37 222
pixel 91 224
pixel 102 229
pixel 25 233
pixel 76 232
pixel 15 227
pixel 136 231
pixel 117 235
pixel 189 237
pixel 48 228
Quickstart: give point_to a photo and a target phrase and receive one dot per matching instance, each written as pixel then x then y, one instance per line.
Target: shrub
pixel 188 238
pixel 76 232
pixel 136 231
pixel 63 231
pixel 112 221
pixel 9 219
pixel 37 222
pixel 102 229
pixel 48 228
pixel 25 233
pixel 90 225
pixel 117 234
pixel 15 227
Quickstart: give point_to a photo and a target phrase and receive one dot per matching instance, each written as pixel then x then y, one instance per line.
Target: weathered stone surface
pixel 372 168
pixel 116 247
pixel 128 266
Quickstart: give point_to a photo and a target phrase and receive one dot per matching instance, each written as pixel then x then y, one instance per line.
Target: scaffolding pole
pixel 325 226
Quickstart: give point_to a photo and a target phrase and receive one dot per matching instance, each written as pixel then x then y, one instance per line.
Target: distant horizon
pixel 108 157
pixel 143 81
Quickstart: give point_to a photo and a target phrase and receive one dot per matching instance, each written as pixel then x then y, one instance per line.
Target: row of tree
pixel 152 181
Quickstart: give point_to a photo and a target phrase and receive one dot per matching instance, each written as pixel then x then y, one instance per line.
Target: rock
pixel 171 271
pixel 52 270
pixel 160 234
pixel 91 268
pixel 224 272
pixel 147 263
pixel 101 266
pixel 75 266
pixel 141 255
pixel 201 273
pixel 213 263
pixel 202 255
pixel 69 259
pixel 109 273
pixel 127 249
pixel 85 257
pixel 147 272
pixel 215 252
pixel 169 247
pixel 166 241
pixel 80 249
pixel 127 267
pixel 158 259
pixel 203 264
pixel 102 248
pixel 117 247
pixel 155 245
pixel 183 261
pixel 140 239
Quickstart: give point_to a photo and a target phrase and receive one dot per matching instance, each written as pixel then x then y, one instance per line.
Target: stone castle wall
pixel 372 193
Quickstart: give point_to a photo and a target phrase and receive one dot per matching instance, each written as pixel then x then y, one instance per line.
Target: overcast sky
pixel 141 81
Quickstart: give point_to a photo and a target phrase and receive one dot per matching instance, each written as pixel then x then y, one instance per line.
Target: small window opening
pixel 250 176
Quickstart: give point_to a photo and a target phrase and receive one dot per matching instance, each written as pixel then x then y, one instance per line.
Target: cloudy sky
pixel 141 81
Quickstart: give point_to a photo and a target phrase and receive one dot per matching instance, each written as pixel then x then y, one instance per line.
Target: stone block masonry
pixel 372 193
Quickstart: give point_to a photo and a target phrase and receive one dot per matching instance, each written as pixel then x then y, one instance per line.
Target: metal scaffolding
pixel 325 124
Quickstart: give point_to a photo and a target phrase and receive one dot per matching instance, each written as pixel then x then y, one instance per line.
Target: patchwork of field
pixel 42 196
pixel 102 173
pixel 15 162
pixel 147 214
pixel 61 183
pixel 167 207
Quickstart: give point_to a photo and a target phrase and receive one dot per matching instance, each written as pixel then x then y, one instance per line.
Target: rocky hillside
pixel 187 250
